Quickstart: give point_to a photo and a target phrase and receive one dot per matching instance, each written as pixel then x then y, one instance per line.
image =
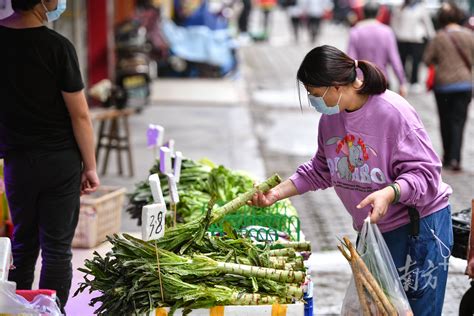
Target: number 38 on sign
pixel 153 221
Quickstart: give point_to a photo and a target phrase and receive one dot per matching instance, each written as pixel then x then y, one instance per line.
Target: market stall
pixel 203 250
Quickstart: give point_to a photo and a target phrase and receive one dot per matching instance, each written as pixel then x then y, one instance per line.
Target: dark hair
pixel 371 9
pixel 449 13
pixel 326 66
pixel 24 5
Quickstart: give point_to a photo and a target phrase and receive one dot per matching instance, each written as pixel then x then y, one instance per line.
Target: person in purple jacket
pixel 374 41
pixel 375 152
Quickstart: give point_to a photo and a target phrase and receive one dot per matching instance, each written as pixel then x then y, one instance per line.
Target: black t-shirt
pixel 36 64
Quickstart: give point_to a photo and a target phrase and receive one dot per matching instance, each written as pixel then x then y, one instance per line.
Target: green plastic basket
pixel 262 224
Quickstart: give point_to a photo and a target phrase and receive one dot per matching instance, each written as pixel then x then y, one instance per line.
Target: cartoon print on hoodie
pixel 355 154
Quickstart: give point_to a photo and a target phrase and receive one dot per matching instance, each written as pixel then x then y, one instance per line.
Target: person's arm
pixel 312 175
pixel 418 167
pixel 282 191
pixel 428 23
pixel 396 62
pixel 429 55
pixel 83 132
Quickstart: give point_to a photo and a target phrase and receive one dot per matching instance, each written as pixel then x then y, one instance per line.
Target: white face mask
pixel 55 14
pixel 320 105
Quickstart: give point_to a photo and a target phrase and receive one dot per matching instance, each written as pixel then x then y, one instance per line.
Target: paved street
pixel 254 123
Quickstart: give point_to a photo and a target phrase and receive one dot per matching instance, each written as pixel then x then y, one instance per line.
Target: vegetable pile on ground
pixel 189 268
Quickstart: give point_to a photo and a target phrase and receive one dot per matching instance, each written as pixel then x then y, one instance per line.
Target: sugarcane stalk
pixel 242 199
pixel 259 272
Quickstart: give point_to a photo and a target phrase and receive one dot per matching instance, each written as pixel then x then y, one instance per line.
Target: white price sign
pixel 165 160
pixel 178 158
pixel 153 221
pixel 155 187
pixel 173 189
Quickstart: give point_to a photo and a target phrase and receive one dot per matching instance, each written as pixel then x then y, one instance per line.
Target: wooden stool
pixel 114 133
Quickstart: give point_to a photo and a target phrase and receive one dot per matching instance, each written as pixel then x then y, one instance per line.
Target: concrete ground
pixel 253 122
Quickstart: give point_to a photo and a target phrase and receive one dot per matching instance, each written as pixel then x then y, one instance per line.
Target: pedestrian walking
pixel 451 53
pixel 295 13
pixel 413 28
pixel 374 41
pixel 313 12
pixel 266 6
pixel 46 140
pixel 243 20
pixel 376 154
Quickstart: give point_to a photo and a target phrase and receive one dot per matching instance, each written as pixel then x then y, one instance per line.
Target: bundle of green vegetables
pixel 192 189
pixel 187 267
pixel 136 277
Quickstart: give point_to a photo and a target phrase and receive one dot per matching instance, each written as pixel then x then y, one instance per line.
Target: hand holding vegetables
pixel 379 201
pixel 281 191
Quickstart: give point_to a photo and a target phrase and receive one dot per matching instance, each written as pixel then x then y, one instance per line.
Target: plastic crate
pixel 262 224
pixel 99 216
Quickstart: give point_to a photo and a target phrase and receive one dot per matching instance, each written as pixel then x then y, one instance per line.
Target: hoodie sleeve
pixel 314 174
pixel 418 168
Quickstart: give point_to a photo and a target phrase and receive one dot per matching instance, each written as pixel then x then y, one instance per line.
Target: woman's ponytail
pixel 326 66
pixel 374 79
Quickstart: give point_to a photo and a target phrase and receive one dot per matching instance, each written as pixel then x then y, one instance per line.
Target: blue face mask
pixel 320 105
pixel 55 14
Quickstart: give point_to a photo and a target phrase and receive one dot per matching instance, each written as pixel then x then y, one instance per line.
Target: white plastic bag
pixel 11 303
pixel 374 252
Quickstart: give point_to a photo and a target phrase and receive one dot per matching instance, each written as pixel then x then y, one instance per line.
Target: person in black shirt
pixel 46 140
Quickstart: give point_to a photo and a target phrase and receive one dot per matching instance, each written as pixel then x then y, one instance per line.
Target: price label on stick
pixel 156 191
pixel 154 135
pixel 165 160
pixel 177 165
pixel 173 189
pixel 170 145
pixel 153 221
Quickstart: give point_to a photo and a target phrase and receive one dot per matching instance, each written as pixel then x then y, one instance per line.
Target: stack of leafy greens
pixel 198 182
pixel 189 268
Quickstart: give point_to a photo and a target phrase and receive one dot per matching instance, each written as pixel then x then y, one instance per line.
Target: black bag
pixel 461 229
pixel 466 307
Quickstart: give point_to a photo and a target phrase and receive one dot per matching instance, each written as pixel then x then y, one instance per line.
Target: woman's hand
pixel 89 181
pixel 379 200
pixel 260 199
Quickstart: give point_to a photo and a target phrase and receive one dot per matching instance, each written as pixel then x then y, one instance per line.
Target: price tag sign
pixel 165 160
pixel 173 189
pixel 154 135
pixel 153 221
pixel 177 165
pixel 170 145
pixel 156 191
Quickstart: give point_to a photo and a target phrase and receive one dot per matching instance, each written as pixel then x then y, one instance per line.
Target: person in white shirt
pixel 413 27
